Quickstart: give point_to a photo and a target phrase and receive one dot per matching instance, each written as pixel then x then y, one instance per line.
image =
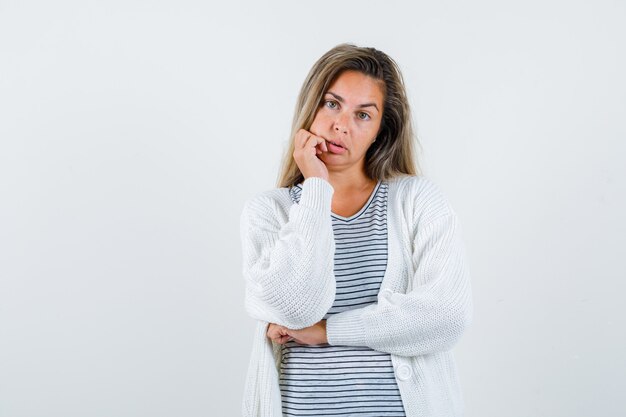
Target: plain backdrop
pixel 132 132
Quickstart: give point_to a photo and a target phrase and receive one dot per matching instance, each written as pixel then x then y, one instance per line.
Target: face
pixel 350 115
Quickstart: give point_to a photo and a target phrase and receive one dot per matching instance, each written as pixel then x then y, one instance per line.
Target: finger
pixel 274 333
pixel 302 137
pixel 315 142
pixel 305 142
pixel 306 139
pixel 321 147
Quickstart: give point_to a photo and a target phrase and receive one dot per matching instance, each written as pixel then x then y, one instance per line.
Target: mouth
pixel 335 148
pixel 335 143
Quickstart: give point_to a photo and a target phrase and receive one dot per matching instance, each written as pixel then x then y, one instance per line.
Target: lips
pixel 337 143
pixel 335 149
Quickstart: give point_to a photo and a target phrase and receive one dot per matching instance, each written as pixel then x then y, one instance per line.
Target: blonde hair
pixel 393 152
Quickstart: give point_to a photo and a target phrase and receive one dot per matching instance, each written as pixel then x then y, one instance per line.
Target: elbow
pixel 298 320
pixel 288 309
pixel 460 315
pixel 302 322
pixel 311 311
pixel 459 321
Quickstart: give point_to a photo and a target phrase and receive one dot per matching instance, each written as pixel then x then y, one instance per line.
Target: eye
pixel 363 116
pixel 332 104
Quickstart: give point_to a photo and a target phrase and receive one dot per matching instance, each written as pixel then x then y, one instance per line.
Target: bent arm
pixel 432 316
pixel 288 267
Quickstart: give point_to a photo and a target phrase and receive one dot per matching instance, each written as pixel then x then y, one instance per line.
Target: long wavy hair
pixel 393 152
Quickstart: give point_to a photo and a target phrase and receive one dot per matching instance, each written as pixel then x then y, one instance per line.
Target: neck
pixel 348 182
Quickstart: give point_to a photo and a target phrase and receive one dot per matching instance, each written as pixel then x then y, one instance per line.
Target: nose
pixel 341 123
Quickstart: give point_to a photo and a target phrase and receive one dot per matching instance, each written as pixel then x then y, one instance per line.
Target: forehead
pixel 356 87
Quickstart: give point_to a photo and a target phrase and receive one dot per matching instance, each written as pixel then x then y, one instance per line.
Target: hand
pixel 278 333
pixel 307 147
pixel 312 335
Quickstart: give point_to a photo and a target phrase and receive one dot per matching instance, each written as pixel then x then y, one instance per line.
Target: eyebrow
pixel 340 99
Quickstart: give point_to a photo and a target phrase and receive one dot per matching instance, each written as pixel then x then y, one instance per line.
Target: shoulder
pixel 421 196
pixel 416 187
pixel 268 203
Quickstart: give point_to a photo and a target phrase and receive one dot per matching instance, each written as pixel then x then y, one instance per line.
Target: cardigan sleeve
pixel 429 318
pixel 288 265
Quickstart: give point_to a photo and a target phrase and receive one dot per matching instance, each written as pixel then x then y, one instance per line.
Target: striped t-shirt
pixel 325 380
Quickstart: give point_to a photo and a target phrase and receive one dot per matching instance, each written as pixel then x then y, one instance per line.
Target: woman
pixel 354 265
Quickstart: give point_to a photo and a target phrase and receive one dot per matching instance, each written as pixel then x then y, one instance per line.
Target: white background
pixel 131 133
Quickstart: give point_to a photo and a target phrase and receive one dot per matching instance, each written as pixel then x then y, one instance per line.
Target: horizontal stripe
pixel 345 278
pixel 295 352
pixel 368 249
pixel 343 401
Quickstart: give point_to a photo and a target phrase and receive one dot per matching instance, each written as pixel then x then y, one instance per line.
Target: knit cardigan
pixel 423 307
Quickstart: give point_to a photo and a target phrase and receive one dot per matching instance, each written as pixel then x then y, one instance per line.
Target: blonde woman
pixel 354 265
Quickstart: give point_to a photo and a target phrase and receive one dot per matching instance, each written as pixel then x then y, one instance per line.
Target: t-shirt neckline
pixel 362 209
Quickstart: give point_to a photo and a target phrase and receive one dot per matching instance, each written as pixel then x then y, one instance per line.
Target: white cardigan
pixel 424 304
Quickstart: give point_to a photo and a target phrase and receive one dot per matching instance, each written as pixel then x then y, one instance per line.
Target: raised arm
pixel 288 267
pixel 432 316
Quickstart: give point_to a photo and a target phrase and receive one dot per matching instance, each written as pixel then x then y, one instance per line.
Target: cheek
pixel 319 120
pixel 368 131
pixel 375 128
